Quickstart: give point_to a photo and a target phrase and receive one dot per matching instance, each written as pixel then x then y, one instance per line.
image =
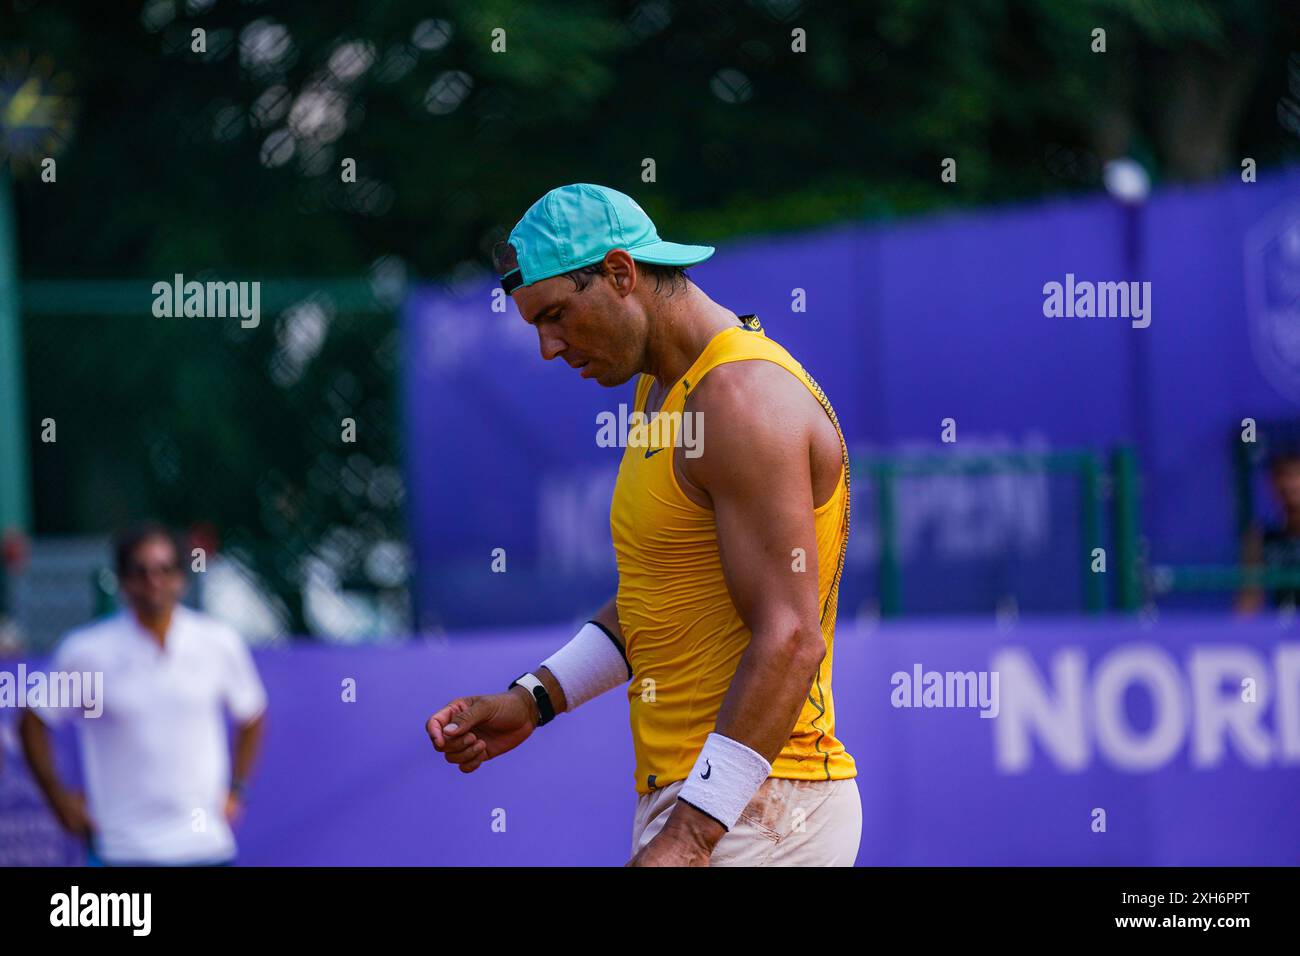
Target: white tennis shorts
pixel 788 823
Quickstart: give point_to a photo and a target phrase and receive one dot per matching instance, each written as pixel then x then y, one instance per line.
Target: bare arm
pixel 69 807
pixel 607 616
pixel 248 741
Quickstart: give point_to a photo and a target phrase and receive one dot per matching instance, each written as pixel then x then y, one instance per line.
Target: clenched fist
pixel 471 730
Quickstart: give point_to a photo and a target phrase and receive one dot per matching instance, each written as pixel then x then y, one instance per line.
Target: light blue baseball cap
pixel 574 226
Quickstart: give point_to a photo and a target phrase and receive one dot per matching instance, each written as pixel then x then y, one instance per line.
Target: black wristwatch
pixel 530 683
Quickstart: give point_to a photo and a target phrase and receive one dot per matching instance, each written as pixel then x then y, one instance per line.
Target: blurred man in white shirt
pixel 161 788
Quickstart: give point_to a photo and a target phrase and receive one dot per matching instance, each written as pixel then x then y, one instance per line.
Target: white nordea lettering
pixel 1072 715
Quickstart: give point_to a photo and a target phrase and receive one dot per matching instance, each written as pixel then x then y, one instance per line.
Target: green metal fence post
pixel 1094 593
pixel 15 508
pixel 1124 466
pixel 891 599
pixel 1245 492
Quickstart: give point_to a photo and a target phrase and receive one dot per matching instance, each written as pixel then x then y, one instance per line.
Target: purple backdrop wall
pixel 906 324
pixel 1143 721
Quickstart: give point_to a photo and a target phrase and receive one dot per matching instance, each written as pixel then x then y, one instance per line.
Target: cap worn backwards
pixel 574 226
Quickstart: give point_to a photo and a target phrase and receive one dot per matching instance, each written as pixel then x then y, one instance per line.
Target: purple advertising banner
pixel 1107 742
pixel 905 325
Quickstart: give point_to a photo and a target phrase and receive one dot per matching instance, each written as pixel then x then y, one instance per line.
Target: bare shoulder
pixel 755 420
pixel 751 393
pixel 762 424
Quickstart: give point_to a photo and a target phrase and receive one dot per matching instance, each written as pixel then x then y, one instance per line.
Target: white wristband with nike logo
pixel 724 779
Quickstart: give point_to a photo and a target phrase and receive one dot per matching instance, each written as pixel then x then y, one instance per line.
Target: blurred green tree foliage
pixel 228 161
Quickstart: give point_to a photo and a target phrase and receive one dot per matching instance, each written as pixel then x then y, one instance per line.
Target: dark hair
pixel 675 276
pixel 127 542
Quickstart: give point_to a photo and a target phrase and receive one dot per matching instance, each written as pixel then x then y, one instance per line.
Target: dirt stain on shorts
pixel 774 807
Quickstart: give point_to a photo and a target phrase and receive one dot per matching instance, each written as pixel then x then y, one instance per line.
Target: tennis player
pixel 730 550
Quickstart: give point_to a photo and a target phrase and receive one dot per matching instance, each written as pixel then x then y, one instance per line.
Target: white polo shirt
pixel 157 760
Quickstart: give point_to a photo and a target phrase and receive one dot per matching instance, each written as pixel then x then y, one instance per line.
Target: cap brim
pixel 658 253
pixel 663 253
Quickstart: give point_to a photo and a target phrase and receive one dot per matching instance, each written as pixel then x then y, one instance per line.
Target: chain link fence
pixel 271 441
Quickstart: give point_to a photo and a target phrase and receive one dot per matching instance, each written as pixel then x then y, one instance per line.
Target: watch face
pixel 543 702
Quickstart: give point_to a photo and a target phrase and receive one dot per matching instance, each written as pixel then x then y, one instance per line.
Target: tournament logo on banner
pixel 1273 298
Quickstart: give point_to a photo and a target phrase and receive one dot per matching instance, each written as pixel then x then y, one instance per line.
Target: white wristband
pixel 724 779
pixel 588 665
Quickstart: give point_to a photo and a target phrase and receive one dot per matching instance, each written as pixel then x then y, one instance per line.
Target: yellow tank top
pixel 684 637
